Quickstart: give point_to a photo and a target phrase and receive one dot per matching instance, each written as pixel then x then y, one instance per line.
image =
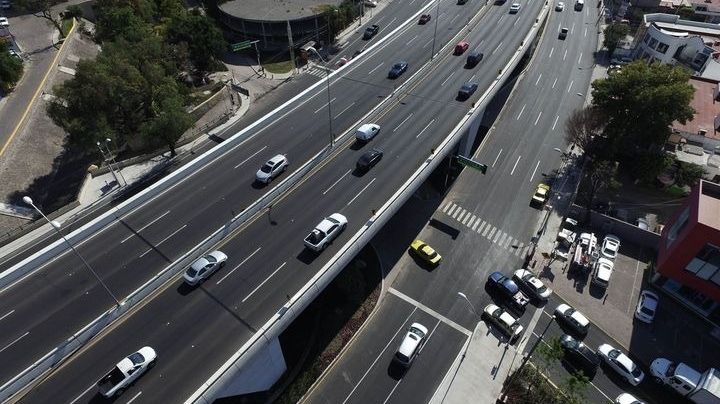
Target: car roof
pixel 276 158
pixel 626 362
pixel 580 318
pixel 506 318
pixel 367 127
pixel 650 299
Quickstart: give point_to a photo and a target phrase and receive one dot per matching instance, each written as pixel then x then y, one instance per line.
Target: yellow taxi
pixel 425 252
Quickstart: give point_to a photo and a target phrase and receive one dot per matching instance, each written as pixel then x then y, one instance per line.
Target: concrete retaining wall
pixel 624 230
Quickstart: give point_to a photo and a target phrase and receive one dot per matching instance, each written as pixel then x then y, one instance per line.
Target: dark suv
pixel 579 356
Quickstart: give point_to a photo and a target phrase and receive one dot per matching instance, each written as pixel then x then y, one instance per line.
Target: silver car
pixel 274 167
pixel 203 267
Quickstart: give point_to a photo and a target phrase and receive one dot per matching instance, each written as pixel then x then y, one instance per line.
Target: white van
pixel 411 344
pixel 579 4
pixel 366 132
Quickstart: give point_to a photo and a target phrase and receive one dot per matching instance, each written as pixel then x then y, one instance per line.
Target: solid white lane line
pixel 323 107
pixel 9 313
pixel 555 123
pixel 430 311
pixel 496 48
pixel 521 112
pixel 92 386
pixel 579 57
pixel 472 77
pixel 572 29
pixel 238 266
pixel 377 358
pixel 410 41
pixel 343 111
pixel 570 85
pixel 425 128
pixel 497 157
pixel 427 43
pixel 14 341
pixel 448 78
pixel 263 282
pixel 551 52
pixel 535 170
pixel 516 21
pixel 251 156
pixel 554 82
pixel 585 32
pixel 335 183
pixel 133 399
pixel 361 191
pixel 565 54
pixel 515 166
pixel 164 240
pixel 375 68
pixel 141 229
pixel 392 21
pixel 538 118
pixel 404 120
pixel 453 19
pixel 538 79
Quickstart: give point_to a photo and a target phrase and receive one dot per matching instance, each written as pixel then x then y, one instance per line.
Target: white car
pixel 627 398
pixel 647 306
pixel 572 319
pixel 560 6
pixel 126 372
pixel 531 284
pixel 274 167
pixel 366 132
pixel 371 3
pixel 610 246
pixel 4 22
pixel 203 267
pixel 621 364
pixel 509 325
pixel 411 344
pixel 603 272
pixel 514 8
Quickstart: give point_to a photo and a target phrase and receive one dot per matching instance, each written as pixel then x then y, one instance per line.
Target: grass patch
pixel 284 66
pixel 66 26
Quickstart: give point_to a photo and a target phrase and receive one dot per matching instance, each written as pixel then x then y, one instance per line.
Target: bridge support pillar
pixel 466 143
pixel 263 370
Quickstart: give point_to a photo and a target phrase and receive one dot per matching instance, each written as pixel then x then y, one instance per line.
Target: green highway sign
pixel 471 163
pixel 241 45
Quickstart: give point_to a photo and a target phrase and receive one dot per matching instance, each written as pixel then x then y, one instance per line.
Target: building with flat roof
pixel 688 258
pixel 271 21
pixel 704 128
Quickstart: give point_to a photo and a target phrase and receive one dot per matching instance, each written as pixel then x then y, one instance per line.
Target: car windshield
pixel 397 66
pixel 210 259
pixel 636 372
pixel 192 271
pixel 647 311
pixel 136 358
pixel 417 331
pixel 266 168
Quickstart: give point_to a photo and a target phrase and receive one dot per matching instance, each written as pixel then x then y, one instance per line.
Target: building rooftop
pixel 672 22
pixel 706 109
pixel 275 10
pixel 709 204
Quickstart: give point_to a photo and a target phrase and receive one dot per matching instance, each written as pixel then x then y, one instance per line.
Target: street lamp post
pixel 529 354
pixel 437 17
pixel 472 306
pixel 107 160
pixel 56 226
pixel 327 82
pixel 108 141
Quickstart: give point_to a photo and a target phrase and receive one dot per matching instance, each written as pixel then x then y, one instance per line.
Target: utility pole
pixel 292 46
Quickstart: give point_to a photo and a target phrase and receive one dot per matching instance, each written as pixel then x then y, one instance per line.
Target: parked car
pixel 542 193
pixel 572 319
pixel 371 31
pixel 368 160
pixel 579 356
pixel 203 267
pixel 531 284
pixel 647 306
pixel 411 345
pixel 425 252
pixel 563 33
pixel 603 272
pixel 424 19
pixel 397 70
pixel 560 6
pixel 504 321
pixel 271 169
pixel 367 132
pixel 4 22
pixel 371 3
pixel 473 58
pixel 627 398
pixel 610 246
pixel 514 8
pixel 509 291
pixel 467 90
pixel 461 47
pixel 620 363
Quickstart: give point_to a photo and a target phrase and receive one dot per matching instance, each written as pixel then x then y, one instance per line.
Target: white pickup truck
pixel 126 372
pixel 325 232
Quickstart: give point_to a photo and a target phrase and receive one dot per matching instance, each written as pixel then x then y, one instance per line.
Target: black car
pixel 397 69
pixel 467 90
pixel 579 356
pixel 371 31
pixel 368 160
pixel 474 57
pixel 563 33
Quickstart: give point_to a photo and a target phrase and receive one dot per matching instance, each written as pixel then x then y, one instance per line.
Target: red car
pixel 424 18
pixel 461 47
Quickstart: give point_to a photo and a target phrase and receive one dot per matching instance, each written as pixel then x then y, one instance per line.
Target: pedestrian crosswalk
pixel 485 229
pixel 317 71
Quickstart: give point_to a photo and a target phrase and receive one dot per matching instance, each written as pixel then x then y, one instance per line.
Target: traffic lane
pixel 195 336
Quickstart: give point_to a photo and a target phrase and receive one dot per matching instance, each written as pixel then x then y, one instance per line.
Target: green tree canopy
pixel 203 39
pixel 11 68
pixel 614 33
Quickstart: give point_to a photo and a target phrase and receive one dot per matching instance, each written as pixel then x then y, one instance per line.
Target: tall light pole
pixel 327 82
pixel 108 141
pixel 437 17
pixel 56 226
pixel 472 306
pixel 527 357
pixel 107 160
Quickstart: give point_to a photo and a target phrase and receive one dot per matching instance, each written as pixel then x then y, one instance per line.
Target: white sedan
pixel 4 22
pixel 514 8
pixel 560 6
pixel 528 281
pixel 621 364
pixel 610 246
pixel 205 266
pixel 647 306
pixel 627 398
pixel 274 167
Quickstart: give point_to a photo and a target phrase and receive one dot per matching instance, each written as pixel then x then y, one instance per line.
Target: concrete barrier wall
pixel 213 387
pixel 624 230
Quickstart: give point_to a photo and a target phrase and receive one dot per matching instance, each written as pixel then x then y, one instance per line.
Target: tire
pixel 151 365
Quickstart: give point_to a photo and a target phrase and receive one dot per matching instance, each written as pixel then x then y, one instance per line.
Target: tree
pixel 11 69
pixel 203 39
pixel 42 9
pixel 583 126
pixel 640 103
pixel 73 11
pixel 688 173
pixel 613 34
pixel 574 388
pixel 600 175
pixel 169 123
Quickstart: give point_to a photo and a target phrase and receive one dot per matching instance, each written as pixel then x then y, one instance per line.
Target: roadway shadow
pixel 570 368
pixel 547 273
pixel 359 173
pixel 596 291
pixel 258 185
pixel 357 145
pixel 445 228
pixel 396 371
pixel 307 256
pixel 184 289
pixel 422 263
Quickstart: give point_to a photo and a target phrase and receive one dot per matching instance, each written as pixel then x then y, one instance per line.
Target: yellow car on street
pixel 541 195
pixel 425 252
